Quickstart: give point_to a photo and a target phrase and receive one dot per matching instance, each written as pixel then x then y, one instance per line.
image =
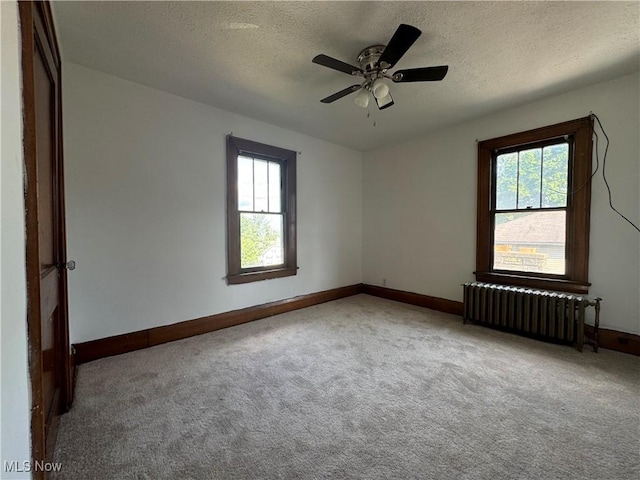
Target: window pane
pixel 275 202
pixel 555 168
pixel 261 240
pixel 529 168
pixel 261 189
pixel 245 183
pixel 506 185
pixel 530 242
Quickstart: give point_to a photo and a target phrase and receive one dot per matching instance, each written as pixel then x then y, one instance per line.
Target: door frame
pixel 36 25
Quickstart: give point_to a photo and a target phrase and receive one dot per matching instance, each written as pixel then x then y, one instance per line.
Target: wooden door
pixel 46 256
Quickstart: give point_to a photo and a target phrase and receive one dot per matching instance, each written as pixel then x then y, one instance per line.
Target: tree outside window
pixel 534 196
pixel 261 211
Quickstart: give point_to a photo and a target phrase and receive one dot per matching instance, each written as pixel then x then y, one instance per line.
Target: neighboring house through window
pixel 261 211
pixel 534 197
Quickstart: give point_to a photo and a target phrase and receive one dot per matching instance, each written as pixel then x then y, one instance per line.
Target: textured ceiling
pixel 254 58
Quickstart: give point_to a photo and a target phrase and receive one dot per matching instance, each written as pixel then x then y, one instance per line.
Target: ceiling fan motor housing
pixel 368 59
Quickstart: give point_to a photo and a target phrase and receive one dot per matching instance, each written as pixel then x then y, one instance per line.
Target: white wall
pixel 146 208
pixel 15 397
pixel 420 201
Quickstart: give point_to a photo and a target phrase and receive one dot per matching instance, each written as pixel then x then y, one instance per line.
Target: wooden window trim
pixel 287 159
pixel 576 278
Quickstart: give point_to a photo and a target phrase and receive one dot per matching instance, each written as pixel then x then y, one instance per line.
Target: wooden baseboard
pixel 118 344
pixel 609 339
pixel 105 347
pixel 420 300
pixel 614 340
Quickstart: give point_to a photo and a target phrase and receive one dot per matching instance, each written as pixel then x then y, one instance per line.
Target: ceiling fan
pixel 374 63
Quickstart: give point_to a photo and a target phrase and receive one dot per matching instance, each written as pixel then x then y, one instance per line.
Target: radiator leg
pixel 594 341
pixel 580 336
pixel 596 327
pixel 465 292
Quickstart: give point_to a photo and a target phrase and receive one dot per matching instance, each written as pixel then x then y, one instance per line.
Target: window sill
pixel 248 277
pixel 557 284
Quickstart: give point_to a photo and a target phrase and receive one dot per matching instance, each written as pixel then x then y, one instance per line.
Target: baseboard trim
pixel 609 339
pixel 118 344
pixel 418 299
pixel 614 340
pixel 106 347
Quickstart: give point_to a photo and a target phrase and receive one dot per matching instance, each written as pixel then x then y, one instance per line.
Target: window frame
pixel 287 160
pixel 578 209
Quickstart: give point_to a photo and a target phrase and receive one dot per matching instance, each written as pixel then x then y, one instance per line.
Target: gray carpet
pixel 357 388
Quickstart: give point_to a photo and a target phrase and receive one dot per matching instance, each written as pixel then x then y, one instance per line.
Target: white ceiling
pixel 254 58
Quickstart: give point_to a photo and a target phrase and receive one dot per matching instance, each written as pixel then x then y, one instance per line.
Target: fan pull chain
pixel 375 124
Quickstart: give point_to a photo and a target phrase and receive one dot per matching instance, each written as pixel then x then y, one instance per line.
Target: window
pixel 261 211
pixel 534 197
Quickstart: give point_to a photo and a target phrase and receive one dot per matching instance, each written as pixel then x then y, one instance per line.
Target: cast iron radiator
pixel 538 313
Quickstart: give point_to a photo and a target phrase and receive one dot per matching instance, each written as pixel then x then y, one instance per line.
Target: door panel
pixel 46 160
pixel 48 345
pixel 49 360
pixel 45 147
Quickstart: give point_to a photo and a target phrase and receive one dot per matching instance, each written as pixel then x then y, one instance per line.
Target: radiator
pixel 546 315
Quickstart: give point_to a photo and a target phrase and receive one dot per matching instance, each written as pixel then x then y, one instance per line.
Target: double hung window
pixel 261 211
pixel 533 207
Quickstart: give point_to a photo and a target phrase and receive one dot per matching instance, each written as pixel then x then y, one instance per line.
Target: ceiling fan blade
pixel 426 74
pixel 330 62
pixel 384 102
pixel 340 94
pixel 401 41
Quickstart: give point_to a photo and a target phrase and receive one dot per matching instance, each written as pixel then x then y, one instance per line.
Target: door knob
pixel 70 265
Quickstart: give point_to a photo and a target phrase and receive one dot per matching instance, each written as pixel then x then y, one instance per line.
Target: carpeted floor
pixel 357 388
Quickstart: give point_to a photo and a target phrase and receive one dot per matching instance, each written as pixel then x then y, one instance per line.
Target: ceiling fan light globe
pixel 362 98
pixel 380 88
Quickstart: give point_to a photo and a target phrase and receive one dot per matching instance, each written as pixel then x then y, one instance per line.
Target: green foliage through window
pixel 260 240
pixel 261 211
pixel 533 178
